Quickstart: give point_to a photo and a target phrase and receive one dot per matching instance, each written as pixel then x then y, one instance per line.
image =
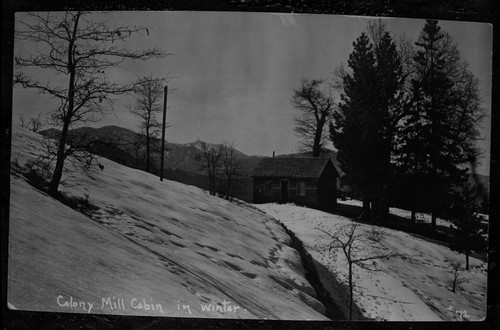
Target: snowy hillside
pixel 413 287
pixel 150 248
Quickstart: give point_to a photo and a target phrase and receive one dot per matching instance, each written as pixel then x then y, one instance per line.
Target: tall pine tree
pixel 351 131
pixel 388 112
pixel 365 123
pixel 439 133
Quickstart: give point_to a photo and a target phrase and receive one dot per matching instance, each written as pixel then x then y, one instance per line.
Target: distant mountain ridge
pixel 184 162
pixel 179 156
pixel 185 157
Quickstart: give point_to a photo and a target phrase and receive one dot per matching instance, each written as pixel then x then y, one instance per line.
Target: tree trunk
pixel 211 184
pixel 413 216
pixel 317 139
pixel 60 157
pixel 433 220
pixel 385 212
pixel 380 210
pixel 214 183
pixel 381 213
pixel 209 180
pixel 228 187
pixel 466 259
pixel 148 159
pixel 316 148
pixel 349 313
pixel 61 148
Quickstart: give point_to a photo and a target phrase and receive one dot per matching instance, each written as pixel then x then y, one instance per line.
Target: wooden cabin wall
pixel 268 190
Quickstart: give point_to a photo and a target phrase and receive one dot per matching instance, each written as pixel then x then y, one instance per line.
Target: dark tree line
pixel 406 126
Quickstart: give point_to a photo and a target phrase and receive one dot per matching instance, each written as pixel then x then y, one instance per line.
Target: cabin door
pixel 284 191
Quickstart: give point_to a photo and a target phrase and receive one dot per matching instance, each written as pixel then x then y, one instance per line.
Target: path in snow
pixel 413 288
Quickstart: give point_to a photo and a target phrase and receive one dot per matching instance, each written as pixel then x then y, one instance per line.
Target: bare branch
pixel 149 93
pixel 80 50
pixel 316 107
pixel 346 239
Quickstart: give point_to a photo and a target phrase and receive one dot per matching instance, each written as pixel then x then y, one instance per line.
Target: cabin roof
pixel 293 167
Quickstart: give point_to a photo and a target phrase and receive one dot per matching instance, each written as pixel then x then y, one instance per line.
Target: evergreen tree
pixel 389 111
pixel 365 124
pixel 439 133
pixel 351 130
pixel 411 189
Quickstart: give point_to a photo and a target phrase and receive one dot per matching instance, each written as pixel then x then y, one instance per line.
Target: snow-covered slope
pixel 151 248
pixel 410 288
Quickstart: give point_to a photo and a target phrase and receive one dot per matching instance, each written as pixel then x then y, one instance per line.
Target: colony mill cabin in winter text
pixel 304 181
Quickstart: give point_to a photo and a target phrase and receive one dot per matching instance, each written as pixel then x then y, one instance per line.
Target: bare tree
pixel 316 106
pixel 345 238
pixel 457 281
pixel 212 155
pixel 136 149
pixel 149 94
pixel 77 50
pixel 33 123
pixel 230 167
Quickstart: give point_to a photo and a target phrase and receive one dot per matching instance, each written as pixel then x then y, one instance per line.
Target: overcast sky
pixel 233 74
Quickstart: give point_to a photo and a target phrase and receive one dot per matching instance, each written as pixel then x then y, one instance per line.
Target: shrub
pixel 37 173
pixel 80 204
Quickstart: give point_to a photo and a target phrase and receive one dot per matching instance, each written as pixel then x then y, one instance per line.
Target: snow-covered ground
pixel 414 287
pixel 151 248
pixel 423 217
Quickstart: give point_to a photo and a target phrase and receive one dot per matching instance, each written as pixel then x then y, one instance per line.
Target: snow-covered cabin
pixel 304 181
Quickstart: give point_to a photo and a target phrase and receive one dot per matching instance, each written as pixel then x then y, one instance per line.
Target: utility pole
pixel 163 132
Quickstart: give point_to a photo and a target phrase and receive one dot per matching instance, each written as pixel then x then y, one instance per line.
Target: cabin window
pixel 302 188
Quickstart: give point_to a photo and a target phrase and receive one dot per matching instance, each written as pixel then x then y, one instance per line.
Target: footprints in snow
pixel 235 256
pixel 232 266
pixel 274 253
pixel 228 264
pixel 177 244
pixel 131 225
pixel 207 247
pixel 204 255
pixel 170 233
